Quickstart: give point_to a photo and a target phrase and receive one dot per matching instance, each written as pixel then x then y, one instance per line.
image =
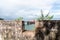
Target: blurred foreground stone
pixel 10 30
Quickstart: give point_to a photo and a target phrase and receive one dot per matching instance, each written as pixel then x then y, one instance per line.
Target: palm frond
pixel 47 17
pixel 47 14
pixel 42 16
pixel 50 17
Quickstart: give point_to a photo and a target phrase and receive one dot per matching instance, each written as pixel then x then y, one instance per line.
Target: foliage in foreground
pixel 46 17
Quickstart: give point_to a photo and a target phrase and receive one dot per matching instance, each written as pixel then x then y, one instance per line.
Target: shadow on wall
pixel 47 29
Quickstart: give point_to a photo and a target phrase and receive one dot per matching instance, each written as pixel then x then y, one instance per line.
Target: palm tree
pixel 46 17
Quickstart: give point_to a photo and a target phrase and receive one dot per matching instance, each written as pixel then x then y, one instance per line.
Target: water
pixel 29 27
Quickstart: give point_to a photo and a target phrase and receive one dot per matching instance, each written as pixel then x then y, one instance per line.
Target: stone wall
pixel 14 30
pixel 47 23
pixel 11 30
pixel 49 28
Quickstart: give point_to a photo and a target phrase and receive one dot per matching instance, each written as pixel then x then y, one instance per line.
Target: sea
pixel 30 26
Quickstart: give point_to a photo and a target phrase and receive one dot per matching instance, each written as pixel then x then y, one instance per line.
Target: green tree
pixel 19 18
pixel 46 17
pixel 1 19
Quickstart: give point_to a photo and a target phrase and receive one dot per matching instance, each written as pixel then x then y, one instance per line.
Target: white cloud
pixel 33 3
pixel 21 7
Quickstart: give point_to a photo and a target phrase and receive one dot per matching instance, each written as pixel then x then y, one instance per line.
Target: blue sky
pixel 29 9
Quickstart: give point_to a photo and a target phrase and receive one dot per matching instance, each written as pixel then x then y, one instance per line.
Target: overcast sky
pixel 11 9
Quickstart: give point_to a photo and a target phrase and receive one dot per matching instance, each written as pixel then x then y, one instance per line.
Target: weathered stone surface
pixel 11 30
pixel 15 30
